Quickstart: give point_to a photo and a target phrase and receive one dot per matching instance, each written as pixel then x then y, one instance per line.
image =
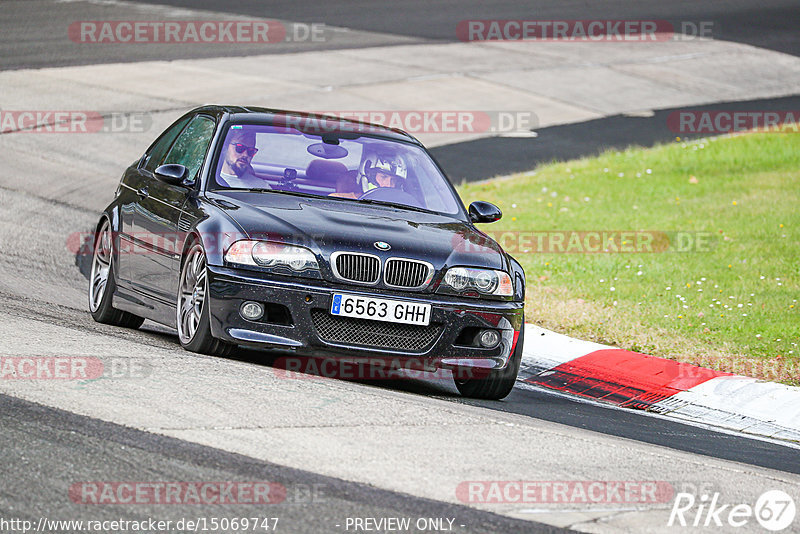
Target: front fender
pixel 215 230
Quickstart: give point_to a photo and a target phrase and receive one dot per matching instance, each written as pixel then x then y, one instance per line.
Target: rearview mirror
pixel 173 174
pixel 327 151
pixel 484 212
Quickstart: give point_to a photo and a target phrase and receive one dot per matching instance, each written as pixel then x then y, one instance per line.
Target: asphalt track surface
pixel 468 161
pixel 34 434
pixel 547 406
pixel 33 37
pixel 34 34
pixel 36 439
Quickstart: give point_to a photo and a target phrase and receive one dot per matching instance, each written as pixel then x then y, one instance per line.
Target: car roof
pixel 258 114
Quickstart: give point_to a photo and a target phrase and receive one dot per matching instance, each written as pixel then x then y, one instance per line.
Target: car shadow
pixel 291 367
pixel 288 366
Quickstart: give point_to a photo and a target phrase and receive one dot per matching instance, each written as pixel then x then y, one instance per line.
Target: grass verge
pixel 696 255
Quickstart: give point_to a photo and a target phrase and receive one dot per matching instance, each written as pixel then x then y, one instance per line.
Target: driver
pixel 236 169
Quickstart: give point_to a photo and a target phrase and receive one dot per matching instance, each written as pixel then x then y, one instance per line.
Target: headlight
pixel 272 255
pixel 464 280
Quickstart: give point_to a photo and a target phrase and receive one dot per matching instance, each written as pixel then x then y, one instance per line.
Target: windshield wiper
pixel 285 192
pixel 311 195
pixel 397 205
pixel 263 190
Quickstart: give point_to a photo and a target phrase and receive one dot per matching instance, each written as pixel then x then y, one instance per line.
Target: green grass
pixel 732 305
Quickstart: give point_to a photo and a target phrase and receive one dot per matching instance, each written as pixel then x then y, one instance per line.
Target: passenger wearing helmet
pixel 386 172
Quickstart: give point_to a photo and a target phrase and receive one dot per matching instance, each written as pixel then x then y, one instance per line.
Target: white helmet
pixel 391 165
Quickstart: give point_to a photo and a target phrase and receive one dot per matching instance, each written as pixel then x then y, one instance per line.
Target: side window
pixel 160 147
pixel 191 146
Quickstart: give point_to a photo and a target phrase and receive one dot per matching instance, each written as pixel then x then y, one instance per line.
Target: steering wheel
pixel 390 194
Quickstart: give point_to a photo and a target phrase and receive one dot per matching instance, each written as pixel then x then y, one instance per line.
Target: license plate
pixel 392 311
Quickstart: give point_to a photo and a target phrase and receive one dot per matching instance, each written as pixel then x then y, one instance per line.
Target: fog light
pixel 252 311
pixel 488 338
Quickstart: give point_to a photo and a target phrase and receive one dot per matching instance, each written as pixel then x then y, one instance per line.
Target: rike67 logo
pixel 774 510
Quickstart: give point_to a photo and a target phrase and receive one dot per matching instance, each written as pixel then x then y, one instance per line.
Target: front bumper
pixel 306 299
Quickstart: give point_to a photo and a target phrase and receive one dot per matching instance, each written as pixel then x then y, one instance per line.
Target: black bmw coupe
pixel 312 235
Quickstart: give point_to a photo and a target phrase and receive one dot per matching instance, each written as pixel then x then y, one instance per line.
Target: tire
pixel 192 309
pixel 102 284
pixel 496 384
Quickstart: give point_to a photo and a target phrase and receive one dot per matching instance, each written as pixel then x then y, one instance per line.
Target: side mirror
pixel 484 212
pixel 173 174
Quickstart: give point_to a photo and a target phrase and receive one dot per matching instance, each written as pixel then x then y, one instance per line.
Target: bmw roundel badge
pixel 382 245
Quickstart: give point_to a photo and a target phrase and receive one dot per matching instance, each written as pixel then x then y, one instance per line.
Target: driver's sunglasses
pixel 239 147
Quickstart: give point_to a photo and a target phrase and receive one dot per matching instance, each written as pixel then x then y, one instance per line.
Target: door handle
pixel 143 192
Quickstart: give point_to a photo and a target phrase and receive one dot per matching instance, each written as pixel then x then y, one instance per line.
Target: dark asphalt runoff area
pixel 499 156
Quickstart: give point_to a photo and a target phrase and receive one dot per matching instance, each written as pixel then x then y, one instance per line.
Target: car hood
pixel 329 225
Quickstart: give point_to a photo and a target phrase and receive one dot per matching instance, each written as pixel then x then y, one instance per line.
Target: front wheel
pixel 102 285
pixel 194 330
pixel 497 384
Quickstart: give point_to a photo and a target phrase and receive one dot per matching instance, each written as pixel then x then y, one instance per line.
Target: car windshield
pixel 339 164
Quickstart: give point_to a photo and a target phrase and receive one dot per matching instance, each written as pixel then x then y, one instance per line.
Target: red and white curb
pixel 666 387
